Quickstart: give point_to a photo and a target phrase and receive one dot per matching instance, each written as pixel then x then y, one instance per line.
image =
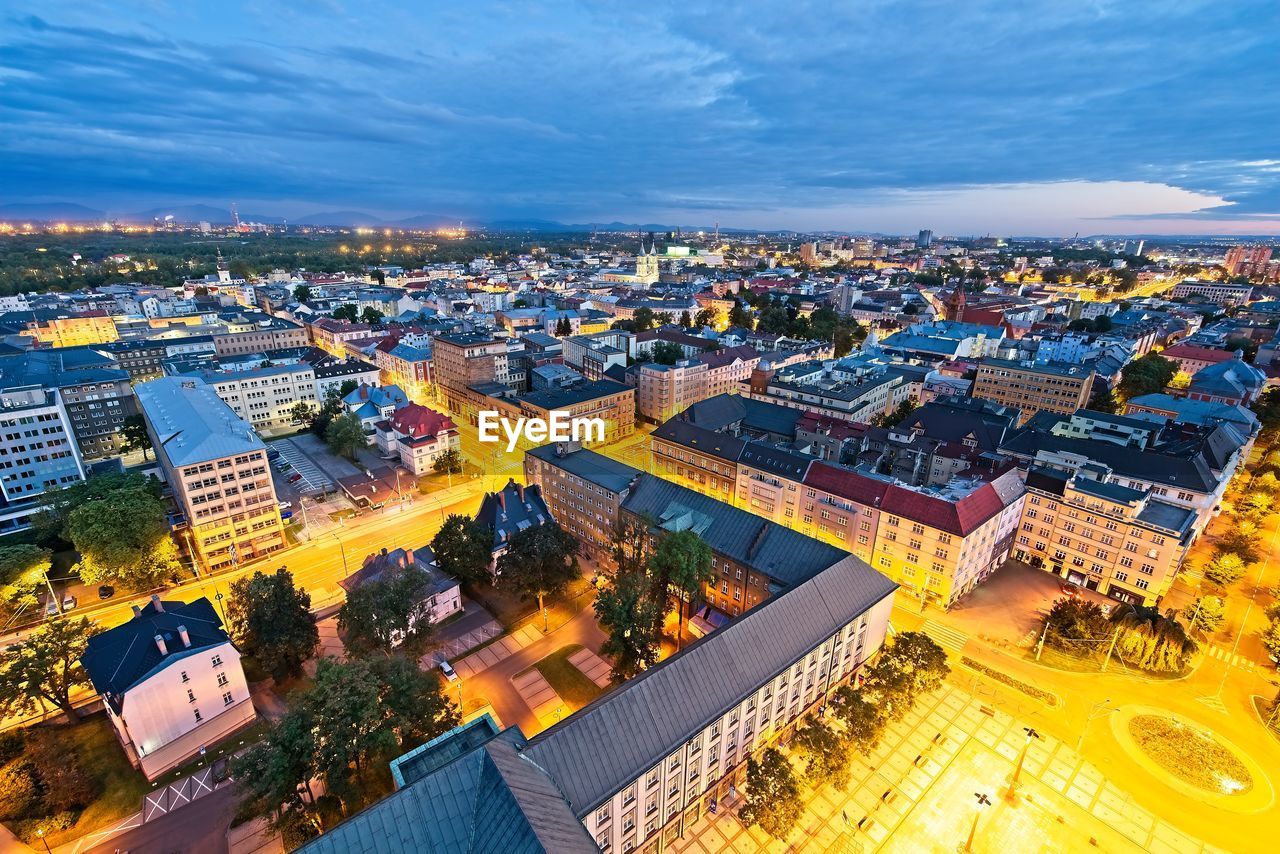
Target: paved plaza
pixel 918 792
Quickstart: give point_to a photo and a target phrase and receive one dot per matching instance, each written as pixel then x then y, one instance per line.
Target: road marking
pixel 945 636
pixel 1214 703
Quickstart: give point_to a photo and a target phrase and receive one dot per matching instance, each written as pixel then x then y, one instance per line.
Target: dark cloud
pixel 618 110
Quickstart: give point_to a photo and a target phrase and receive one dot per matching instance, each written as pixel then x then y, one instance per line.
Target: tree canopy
pixel 463 548
pixel 117 523
pixel 1148 374
pixel 773 794
pixel 42 669
pixel 270 619
pixel 391 612
pixel 345 435
pixel 539 562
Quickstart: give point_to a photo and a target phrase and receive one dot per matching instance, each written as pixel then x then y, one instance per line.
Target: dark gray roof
pixel 512 510
pixel 704 439
pixel 1191 473
pixel 791 465
pixel 580 392
pixel 604 746
pixel 716 413
pixel 953 419
pixel 1109 491
pixel 121 657
pixel 1168 516
pixel 489 801
pixel 592 467
pixel 786 556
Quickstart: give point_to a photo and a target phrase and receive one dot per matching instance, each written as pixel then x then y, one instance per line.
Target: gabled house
pixel 443 596
pixel 510 511
pixel 417 436
pixel 375 403
pixel 171 682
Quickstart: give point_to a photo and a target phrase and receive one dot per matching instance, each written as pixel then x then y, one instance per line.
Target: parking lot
pixel 313 480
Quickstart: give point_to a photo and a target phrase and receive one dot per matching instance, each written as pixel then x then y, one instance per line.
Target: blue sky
pixel 968 117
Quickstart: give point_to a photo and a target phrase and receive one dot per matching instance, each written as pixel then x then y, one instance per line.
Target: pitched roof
pixel 416 420
pixel 488 800
pixel 513 509
pixel 648 717
pixel 119 658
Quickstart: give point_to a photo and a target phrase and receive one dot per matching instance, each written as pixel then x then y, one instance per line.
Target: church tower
pixel 954 305
pixel 224 272
pixel 647 264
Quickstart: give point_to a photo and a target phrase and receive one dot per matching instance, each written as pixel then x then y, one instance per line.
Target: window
pixel 191 697
pixel 226 698
pixel 185 677
pixel 198 718
pixel 603 815
pixel 222 679
pixel 216 661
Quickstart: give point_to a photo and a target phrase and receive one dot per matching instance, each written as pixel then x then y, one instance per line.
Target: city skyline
pixel 1052 121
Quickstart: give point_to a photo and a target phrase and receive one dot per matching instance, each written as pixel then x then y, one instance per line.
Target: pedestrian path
pixel 497 651
pixel 451 649
pixel 593 667
pixel 538 694
pixel 945 636
pixel 1232 659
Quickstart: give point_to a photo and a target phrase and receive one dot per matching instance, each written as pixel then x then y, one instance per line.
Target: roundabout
pixel 1192 759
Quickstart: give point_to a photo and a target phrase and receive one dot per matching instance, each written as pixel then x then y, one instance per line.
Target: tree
pixel 1102 398
pixel 136 438
pixel 898 415
pixel 450 462
pixel 1256 504
pixel 1224 569
pixel 1077 626
pixel 1205 614
pixel 682 561
pixel 463 548
pixel 709 316
pixel 540 562
pixel 1267 482
pixel 740 316
pixel 273 774
pixel 1147 639
pixel 123 537
pixel 661 318
pixel 22 569
pixel 44 667
pixel 1241 540
pixel 864 722
pixel 626 610
pixel 773 795
pixel 270 619
pixel 388 613
pixel 912 665
pixel 1267 407
pixel 563 327
pixel 345 435
pixel 643 319
pixel 685 321
pixel 666 352
pixel 56 504
pixel 826 754
pixel 302 293
pixel 1146 375
pixel 346 312
pixel 1271 634
pixel 1248 345
pixel 302 413
pixel 371 316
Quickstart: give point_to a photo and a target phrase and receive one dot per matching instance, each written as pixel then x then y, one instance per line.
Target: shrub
pixel 19 790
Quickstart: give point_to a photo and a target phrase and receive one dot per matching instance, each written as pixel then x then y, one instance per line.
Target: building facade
pixel 1033 387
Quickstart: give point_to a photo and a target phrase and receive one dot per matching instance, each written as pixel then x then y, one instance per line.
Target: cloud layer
pixel 1036 117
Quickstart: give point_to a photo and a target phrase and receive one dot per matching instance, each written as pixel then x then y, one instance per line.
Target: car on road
pixel 449 673
pixel 1070 590
pixel 106 591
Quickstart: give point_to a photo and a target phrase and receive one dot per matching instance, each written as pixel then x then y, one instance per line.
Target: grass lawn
pixel 94 743
pixel 1191 755
pixel 568 681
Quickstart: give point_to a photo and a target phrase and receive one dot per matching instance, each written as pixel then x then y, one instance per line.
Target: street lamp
pixel 1093 713
pixel 40 833
pixel 1032 735
pixel 983 801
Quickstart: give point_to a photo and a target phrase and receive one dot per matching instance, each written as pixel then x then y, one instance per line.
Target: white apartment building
pixel 171 682
pixel 265 397
pixel 38 450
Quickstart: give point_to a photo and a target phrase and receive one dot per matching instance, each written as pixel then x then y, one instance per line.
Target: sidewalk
pixel 497 651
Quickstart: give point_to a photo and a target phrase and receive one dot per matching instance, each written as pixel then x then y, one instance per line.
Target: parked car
pixel 68 602
pixel 273 454
pixel 1070 590
pixel 286 505
pixel 449 673
pixel 284 466
pixel 106 591
pixel 286 515
pixel 294 478
pixel 51 608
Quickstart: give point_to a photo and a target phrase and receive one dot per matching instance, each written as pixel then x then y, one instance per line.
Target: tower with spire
pixel 224 272
pixel 954 305
pixel 647 263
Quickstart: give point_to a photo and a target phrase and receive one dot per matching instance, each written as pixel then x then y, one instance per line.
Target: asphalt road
pixel 198 828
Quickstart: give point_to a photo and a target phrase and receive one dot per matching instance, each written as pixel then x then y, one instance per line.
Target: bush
pixel 19 790
pixel 12 743
pixel 63 779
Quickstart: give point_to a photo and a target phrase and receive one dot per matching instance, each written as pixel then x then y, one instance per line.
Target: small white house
pixel 171 682
pixel 416 436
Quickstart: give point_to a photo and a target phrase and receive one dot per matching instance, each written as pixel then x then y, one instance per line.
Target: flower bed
pixel 1005 679
pixel 1190 754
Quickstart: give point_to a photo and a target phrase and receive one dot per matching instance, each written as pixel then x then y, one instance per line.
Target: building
pixel 142 359
pixel 97 395
pixel 924 239
pixel 1233 381
pixel 57 328
pixel 38 451
pixel 465 359
pixel 1221 293
pixel 332 335
pixel 512 509
pixel 1121 542
pixel 264 333
pixel 1247 260
pixel 1033 387
pixel 267 396
pixel 372 404
pixel 216 466
pixel 405 366
pixel 171 683
pixel 845 389
pixel 664 391
pixel 1191 358
pixel 442 597
pixel 332 375
pixel 636 767
pixel 583 491
pixel 416 436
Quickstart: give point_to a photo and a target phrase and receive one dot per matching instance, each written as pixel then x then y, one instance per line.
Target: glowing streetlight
pixel 983 801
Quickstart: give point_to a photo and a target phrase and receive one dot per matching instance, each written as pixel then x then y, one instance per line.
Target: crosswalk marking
pixel 1232 660
pixel 945 636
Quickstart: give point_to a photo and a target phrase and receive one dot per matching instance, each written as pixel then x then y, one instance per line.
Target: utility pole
pixel 1114 636
pixel 1043 634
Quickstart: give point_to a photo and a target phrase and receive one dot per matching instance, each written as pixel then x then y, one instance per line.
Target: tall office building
pixel 217 467
pixel 924 239
pixel 37 450
pixel 1247 260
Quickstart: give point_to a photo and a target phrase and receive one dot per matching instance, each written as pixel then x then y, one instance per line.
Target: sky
pixel 1023 117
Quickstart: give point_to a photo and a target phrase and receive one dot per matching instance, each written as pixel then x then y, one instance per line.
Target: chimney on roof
pixel 408 557
pixel 164 650
pixel 137 612
pixel 156 603
pixel 186 638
